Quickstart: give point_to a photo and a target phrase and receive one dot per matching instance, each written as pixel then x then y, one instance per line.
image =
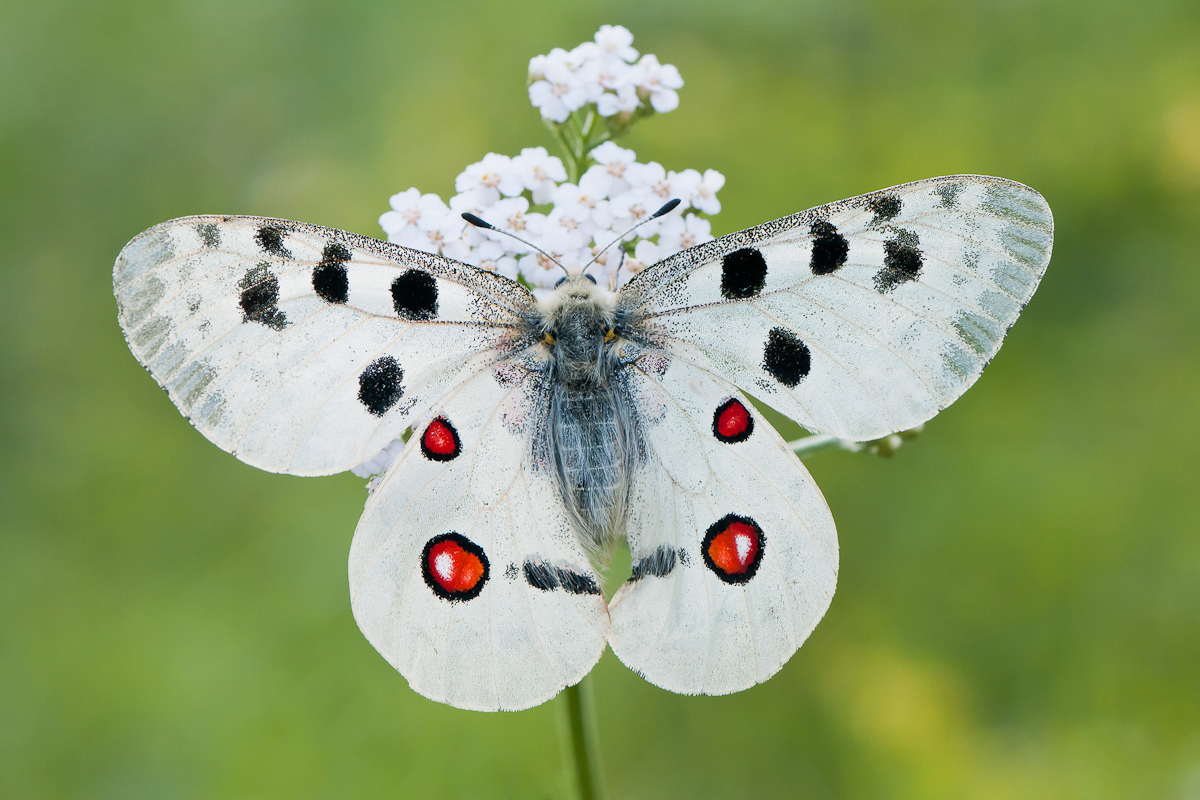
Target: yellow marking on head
pixel 548 338
pixel 609 335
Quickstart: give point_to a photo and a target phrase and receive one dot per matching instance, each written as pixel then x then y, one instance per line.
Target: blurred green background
pixel 1019 606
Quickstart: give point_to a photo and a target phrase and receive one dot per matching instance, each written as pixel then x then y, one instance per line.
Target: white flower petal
pixel 403 200
pixel 664 100
pixel 647 252
pixel 610 152
pixel 714 180
pixel 544 192
pixel 616 40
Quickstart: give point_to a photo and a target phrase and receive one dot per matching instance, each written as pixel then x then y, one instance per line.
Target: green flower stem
pixel 556 131
pixel 585 752
pixel 577 137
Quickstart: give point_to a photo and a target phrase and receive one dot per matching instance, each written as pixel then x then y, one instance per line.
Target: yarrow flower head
pixel 605 74
pixel 574 204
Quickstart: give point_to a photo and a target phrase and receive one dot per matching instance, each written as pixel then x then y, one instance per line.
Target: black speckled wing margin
pixel 861 317
pixel 305 349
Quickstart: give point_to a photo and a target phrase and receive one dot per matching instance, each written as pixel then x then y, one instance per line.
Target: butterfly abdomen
pixel 589 437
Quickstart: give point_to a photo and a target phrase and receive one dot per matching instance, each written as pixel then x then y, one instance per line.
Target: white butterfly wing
pixel 536 622
pixel 735 554
pixel 299 348
pixel 862 317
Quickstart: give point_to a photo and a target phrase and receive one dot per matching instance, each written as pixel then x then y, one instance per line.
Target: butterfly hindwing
pixel 734 550
pixel 862 317
pixel 526 616
pixel 299 348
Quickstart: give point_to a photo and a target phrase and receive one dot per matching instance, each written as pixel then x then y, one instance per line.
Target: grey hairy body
pixel 591 437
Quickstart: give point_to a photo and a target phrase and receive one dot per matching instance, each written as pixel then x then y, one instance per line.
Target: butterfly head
pixel 566 278
pixel 579 330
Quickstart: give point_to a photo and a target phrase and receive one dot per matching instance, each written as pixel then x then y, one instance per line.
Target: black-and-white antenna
pixel 481 223
pixel 667 208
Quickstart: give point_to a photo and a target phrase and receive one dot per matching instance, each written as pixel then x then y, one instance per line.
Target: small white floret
pixel 616 40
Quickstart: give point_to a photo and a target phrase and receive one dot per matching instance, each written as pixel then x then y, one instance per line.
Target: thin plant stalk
pixel 577 137
pixel 584 748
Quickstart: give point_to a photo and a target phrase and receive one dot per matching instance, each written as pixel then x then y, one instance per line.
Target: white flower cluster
pixel 606 72
pixel 613 194
pixel 531 197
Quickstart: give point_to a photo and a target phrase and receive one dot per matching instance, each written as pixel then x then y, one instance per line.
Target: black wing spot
pixel 260 298
pixel 829 248
pixel 660 564
pixel 415 295
pixel 885 207
pixel 330 280
pixel 270 239
pixel 577 582
pixel 379 385
pixel 902 261
pixel 335 253
pixel 541 575
pixel 210 234
pixel 743 274
pixel 786 358
pixel 331 283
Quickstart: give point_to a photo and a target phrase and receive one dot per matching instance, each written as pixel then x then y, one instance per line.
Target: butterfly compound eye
pixel 733 548
pixel 454 567
pixel 559 282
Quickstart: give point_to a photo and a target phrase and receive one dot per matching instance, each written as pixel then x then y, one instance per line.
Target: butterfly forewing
pixel 734 550
pixel 305 349
pixel 527 617
pixel 862 317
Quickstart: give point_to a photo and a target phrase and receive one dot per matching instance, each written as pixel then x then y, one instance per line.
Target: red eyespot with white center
pixel 732 422
pixel 454 567
pixel 440 441
pixel 733 548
